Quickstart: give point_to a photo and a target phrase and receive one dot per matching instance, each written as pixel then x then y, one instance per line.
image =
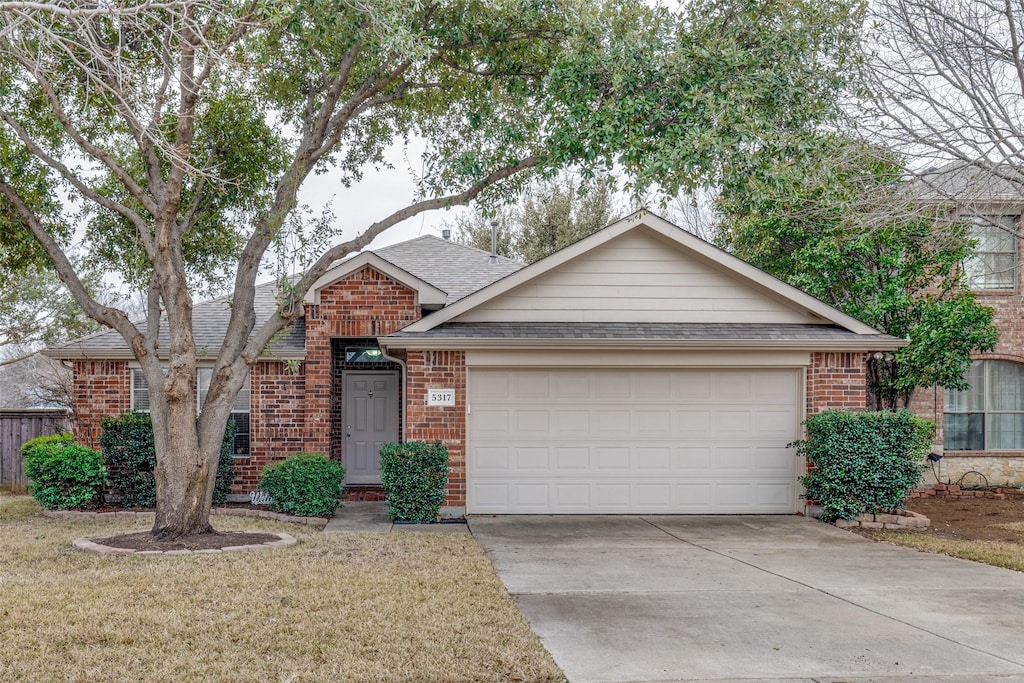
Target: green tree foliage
pixel 182 131
pixel 841 229
pixel 550 215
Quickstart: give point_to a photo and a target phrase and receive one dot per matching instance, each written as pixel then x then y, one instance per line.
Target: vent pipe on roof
pixel 494 243
pixel 446 233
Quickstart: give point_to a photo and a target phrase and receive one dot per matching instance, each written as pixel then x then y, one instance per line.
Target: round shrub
pixel 414 475
pixel 863 462
pixel 64 476
pixel 304 484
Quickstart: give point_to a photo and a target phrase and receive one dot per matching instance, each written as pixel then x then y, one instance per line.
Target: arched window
pixel 989 416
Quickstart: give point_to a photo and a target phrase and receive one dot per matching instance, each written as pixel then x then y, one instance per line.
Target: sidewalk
pixel 372 517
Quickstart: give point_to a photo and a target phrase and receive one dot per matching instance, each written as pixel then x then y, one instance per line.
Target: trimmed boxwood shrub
pixel 414 475
pixel 304 484
pixel 130 457
pixel 863 462
pixel 64 475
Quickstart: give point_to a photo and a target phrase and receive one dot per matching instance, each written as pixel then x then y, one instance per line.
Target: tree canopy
pixel 843 229
pixel 182 130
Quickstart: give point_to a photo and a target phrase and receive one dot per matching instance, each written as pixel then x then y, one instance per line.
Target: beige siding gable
pixel 639 276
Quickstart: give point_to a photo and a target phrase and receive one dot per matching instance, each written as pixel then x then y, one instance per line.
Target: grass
pixel 997 553
pixel 337 607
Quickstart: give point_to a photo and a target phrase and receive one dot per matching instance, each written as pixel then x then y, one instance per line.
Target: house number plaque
pixel 440 397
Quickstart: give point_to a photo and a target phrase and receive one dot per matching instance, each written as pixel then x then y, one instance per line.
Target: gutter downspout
pixel 405 393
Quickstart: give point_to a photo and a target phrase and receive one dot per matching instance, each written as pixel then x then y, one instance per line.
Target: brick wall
pixel 367 303
pixel 440 369
pixel 276 420
pixel 101 388
pixel 836 381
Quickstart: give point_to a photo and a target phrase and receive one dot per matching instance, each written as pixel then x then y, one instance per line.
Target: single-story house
pixel 640 370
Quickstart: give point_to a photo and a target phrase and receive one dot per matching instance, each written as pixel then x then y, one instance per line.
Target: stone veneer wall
pixel 440 369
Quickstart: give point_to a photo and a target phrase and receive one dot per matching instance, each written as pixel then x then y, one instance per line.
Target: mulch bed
pixel 981 519
pixel 214 541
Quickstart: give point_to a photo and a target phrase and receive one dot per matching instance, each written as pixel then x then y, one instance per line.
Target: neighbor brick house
pixel 638 370
pixel 981 430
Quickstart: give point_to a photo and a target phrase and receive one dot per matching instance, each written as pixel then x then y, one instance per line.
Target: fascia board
pixel 427 294
pixel 862 343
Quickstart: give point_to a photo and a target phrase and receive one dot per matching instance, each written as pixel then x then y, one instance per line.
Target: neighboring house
pixel 982 428
pixel 640 370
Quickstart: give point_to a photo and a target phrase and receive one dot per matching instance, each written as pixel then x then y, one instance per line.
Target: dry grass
pixel 997 553
pixel 337 607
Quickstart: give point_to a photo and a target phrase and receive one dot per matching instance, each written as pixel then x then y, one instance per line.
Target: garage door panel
pixel 630 443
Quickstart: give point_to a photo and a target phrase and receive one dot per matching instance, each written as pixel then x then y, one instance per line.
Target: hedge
pixel 414 475
pixel 304 484
pixel 64 475
pixel 863 462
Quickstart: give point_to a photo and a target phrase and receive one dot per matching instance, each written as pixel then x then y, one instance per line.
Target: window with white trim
pixel 993 263
pixel 989 416
pixel 239 409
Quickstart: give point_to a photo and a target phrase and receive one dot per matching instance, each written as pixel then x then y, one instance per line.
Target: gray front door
pixel 371 420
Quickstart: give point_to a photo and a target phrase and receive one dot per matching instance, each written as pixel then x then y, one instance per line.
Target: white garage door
pixel 632 441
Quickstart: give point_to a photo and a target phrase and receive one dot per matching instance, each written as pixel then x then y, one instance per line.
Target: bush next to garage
pixel 414 475
pixel 304 484
pixel 130 457
pixel 64 475
pixel 863 462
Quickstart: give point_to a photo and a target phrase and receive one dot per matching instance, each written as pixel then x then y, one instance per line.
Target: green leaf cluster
pixel 835 221
pixel 65 476
pixel 130 455
pixel 863 462
pixel 414 475
pixel 304 484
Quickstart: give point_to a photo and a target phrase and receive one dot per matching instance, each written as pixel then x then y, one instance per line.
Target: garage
pixel 627 440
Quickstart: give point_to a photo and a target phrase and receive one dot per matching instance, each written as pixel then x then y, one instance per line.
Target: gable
pixel 639 276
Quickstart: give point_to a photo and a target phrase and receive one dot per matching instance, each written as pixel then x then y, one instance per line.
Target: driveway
pixel 666 598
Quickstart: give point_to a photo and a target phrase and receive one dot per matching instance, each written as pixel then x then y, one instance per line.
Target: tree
pixel 550 215
pixel 842 231
pixel 183 129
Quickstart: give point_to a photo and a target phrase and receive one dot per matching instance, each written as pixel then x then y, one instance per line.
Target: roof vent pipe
pixel 446 233
pixel 494 243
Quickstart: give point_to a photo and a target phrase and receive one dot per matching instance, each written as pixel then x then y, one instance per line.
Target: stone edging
pixel 150 516
pixel 955 491
pixel 901 519
pixel 87 546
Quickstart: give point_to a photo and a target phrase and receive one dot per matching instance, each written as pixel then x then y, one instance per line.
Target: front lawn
pixel 338 607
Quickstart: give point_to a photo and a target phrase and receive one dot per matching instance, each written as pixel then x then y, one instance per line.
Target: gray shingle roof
pixel 969 183
pixel 453 268
pixel 637 331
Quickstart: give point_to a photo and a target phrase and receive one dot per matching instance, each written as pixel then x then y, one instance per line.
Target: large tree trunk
pixel 184 474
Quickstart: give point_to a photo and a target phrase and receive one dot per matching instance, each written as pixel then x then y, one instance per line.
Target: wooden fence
pixel 17 427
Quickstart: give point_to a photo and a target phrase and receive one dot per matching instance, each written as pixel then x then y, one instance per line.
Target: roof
pixel 967 183
pixel 453 269
pixel 718 335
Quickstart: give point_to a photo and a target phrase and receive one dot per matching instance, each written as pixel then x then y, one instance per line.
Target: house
pixel 640 370
pixel 981 430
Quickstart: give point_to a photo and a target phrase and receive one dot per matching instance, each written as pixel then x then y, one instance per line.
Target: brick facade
pixel 101 387
pixel 836 381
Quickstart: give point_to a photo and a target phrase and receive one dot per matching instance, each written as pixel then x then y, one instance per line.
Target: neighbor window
pixel 993 264
pixel 989 416
pixel 239 409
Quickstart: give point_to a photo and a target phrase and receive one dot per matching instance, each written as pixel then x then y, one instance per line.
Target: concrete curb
pixel 87 546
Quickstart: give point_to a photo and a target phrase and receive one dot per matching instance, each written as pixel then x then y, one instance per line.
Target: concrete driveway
pixel 665 598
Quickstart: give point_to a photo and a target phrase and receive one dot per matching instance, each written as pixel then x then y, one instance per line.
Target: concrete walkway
pixel 372 517
pixel 782 599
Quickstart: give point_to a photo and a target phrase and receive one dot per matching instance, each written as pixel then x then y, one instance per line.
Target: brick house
pixel 981 430
pixel 639 370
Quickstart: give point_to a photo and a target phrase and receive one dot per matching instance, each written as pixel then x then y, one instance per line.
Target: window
pixel 990 415
pixel 993 265
pixel 239 410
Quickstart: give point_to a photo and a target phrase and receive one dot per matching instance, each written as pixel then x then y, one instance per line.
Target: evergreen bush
pixel 304 484
pixel 64 475
pixel 863 462
pixel 414 475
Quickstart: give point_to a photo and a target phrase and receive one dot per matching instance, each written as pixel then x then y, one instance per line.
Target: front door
pixel 370 421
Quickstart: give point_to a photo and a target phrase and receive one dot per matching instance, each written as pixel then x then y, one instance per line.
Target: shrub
pixel 414 475
pixel 64 475
pixel 130 456
pixel 863 462
pixel 304 484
